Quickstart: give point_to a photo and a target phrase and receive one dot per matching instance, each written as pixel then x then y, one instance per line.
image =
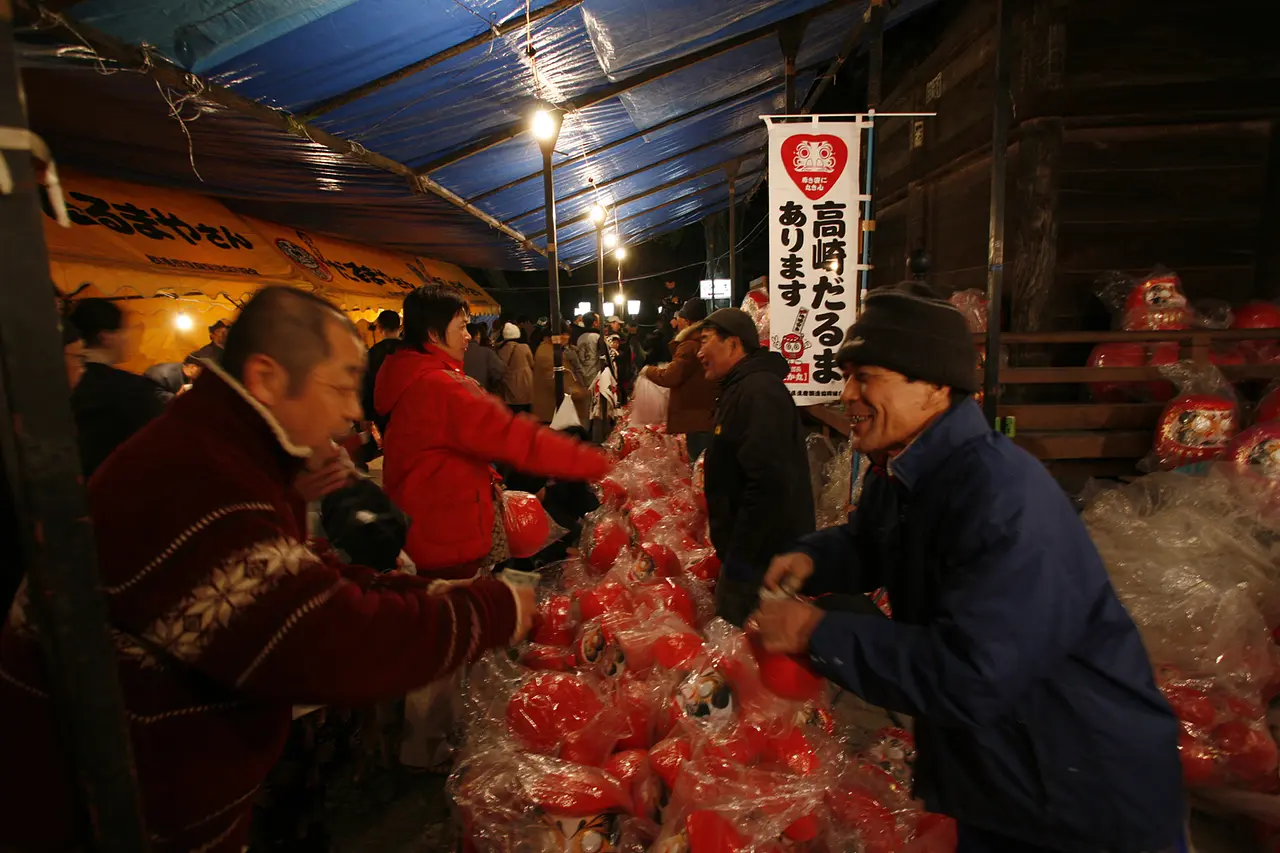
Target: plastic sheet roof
pixel 653 153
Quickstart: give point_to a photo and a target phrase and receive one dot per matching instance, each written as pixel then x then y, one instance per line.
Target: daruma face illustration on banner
pixel 815 238
pixel 815 162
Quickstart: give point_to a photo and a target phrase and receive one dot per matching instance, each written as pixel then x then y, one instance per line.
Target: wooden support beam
pixel 1085 375
pixel 1128 444
pixel 515 24
pixel 1041 417
pixel 674 182
pixel 593 188
pixel 167 74
pixel 656 72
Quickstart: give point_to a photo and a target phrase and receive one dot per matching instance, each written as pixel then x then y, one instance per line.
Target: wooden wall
pixel 1144 133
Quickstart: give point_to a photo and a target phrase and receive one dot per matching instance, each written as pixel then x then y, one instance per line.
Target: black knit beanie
pixel 910 329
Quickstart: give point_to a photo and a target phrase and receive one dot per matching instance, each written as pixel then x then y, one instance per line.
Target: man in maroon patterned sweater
pixel 224 616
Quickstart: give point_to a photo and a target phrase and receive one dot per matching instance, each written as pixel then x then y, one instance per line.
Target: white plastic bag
pixel 567 415
pixel 649 403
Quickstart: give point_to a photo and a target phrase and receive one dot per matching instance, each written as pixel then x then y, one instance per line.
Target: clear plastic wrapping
pixel 1194 559
pixel 972 304
pixel 528 526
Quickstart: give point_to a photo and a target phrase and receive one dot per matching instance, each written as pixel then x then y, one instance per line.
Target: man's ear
pixel 265 379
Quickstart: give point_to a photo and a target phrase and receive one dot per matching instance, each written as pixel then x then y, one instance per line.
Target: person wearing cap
pixel 174 377
pixel 759 495
pixel 1038 721
pixel 212 351
pixel 692 405
pixel 516 388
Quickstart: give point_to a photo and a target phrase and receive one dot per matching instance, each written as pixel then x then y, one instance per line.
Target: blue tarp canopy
pixel 656 96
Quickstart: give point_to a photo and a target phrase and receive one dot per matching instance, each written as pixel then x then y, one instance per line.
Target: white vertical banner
pixel 815 243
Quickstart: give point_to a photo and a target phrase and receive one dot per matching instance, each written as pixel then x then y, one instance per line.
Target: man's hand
pixel 789 571
pixel 786 624
pixel 325 474
pixel 526 608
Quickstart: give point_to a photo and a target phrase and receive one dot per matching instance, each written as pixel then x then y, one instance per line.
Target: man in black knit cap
pixel 1037 719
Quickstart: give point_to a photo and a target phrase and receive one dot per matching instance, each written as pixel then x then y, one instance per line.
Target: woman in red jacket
pixel 443 436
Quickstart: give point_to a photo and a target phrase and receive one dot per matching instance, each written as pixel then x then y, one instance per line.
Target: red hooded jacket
pixel 443 436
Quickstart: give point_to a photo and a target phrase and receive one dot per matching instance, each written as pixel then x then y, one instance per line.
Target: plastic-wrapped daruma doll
pixel 756 304
pixel 579 808
pixel 1195 428
pixel 1157 303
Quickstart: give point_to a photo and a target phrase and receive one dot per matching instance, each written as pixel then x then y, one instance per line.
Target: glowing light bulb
pixel 183 323
pixel 598 213
pixel 619 299
pixel 621 253
pixel 610 240
pixel 544 125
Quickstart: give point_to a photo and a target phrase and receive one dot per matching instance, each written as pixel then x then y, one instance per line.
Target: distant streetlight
pixel 545 125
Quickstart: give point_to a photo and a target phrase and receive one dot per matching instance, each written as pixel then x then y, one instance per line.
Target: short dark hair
pixel 591 320
pixel 95 316
pixel 289 326
pixel 430 308
pixel 388 321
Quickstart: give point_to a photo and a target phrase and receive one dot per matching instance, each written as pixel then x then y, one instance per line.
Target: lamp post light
pixel 545 125
pixel 598 218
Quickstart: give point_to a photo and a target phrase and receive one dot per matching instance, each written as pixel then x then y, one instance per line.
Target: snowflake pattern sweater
pixel 224 618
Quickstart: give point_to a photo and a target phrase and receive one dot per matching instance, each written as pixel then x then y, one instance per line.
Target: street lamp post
pixel 598 217
pixel 546 129
pixel 621 254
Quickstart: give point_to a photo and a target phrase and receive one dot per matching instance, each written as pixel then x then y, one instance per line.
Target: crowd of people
pixel 1038 721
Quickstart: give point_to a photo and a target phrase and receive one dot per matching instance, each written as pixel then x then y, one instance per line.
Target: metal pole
pixel 995 227
pixel 875 76
pixel 553 269
pixel 732 171
pixel 790 37
pixel 43 465
pixel 600 268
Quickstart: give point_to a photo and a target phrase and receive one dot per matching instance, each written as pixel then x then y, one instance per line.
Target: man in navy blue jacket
pixel 1038 722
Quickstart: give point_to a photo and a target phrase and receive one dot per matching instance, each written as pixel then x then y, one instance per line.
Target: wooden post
pixel 995 228
pixel 39 437
pixel 1033 243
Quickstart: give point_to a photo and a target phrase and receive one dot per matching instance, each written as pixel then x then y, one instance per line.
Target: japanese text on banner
pixel 814 243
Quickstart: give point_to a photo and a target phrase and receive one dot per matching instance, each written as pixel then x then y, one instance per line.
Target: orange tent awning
pixel 366 279
pixel 128 240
